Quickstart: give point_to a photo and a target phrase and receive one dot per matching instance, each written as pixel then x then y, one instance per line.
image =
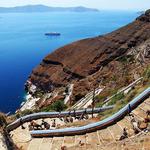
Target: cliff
pixel 112 58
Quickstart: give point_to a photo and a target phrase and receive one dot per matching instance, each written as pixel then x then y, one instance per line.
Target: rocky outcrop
pixel 6 143
pixel 91 61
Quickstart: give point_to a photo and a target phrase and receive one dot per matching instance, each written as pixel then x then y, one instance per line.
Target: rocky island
pixel 43 8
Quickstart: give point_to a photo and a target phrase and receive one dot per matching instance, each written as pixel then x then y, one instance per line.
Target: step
pixel 147 103
pixel 147 100
pixel 106 136
pixel 139 113
pixel 110 146
pixel 129 146
pixel 69 142
pixel 92 141
pixel 35 144
pixel 116 131
pixel 57 143
pixel 80 139
pixel 146 143
pixel 46 144
pixel 125 123
pixel 145 107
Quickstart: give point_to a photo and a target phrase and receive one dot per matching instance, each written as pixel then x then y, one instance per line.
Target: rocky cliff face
pixel 99 60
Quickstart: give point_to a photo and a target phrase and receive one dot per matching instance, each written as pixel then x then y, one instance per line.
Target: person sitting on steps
pixel 135 125
pixel 147 118
pixel 45 124
pixel 35 125
pixel 124 134
pixel 54 123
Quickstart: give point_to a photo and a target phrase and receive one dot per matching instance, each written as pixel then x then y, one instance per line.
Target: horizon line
pixel 100 9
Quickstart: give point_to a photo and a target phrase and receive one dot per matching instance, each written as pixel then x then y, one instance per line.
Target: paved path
pixel 2 143
pixel 106 139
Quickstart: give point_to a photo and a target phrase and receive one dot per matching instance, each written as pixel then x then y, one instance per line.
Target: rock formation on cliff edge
pixel 111 59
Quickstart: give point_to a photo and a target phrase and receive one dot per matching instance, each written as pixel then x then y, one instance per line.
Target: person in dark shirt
pixel 45 124
pixel 124 135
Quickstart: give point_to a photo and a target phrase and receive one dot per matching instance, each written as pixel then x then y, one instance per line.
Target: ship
pixel 53 34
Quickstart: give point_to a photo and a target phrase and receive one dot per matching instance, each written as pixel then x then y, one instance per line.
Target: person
pixel 145 125
pixel 66 120
pixel 71 119
pixel 129 109
pixel 85 114
pixel 59 116
pixel 63 148
pixel 45 124
pixel 147 118
pixel 74 111
pixel 81 116
pixel 54 123
pixel 21 123
pixel 30 127
pixel 135 125
pixel 124 135
pixel 35 125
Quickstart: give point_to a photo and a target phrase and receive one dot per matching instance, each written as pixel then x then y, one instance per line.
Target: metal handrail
pixel 95 126
pixel 40 115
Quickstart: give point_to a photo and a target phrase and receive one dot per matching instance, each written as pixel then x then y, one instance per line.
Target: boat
pixel 53 34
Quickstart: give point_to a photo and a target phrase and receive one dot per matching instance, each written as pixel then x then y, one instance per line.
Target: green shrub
pixel 24 113
pixel 148 73
pixel 116 98
pixel 57 106
pixel 130 96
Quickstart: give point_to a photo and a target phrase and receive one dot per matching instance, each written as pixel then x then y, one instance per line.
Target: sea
pixel 23 44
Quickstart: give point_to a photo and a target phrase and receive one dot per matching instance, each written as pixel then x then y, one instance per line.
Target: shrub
pixel 56 106
pixel 148 73
pixel 116 98
pixel 78 97
pixel 2 120
pixel 24 113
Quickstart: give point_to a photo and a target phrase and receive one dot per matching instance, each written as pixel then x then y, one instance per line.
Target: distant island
pixel 43 8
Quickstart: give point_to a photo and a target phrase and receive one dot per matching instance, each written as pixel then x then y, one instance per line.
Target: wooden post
pixel 93 103
pixel 75 113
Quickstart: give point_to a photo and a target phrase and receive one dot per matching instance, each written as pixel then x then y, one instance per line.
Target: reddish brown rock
pixel 87 62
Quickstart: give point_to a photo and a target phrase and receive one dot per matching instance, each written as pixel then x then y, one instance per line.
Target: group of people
pixel 69 118
pixel 46 126
pixel 138 126
pixel 43 126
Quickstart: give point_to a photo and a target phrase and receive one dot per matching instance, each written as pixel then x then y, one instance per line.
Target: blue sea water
pixel 23 44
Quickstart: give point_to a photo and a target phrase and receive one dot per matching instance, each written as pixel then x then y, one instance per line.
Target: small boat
pixel 53 34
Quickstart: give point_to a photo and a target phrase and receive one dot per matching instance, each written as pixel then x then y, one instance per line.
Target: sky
pixel 100 4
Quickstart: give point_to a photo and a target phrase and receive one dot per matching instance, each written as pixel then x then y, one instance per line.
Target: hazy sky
pixel 100 4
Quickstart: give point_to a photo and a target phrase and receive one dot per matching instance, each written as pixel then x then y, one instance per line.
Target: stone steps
pixel 139 113
pixel 115 131
pixel 99 140
pixel 80 142
pixel 145 107
pixel 105 136
pixel 125 123
pixel 69 142
pixel 34 144
pixel 147 100
pixel 146 144
pixel 92 141
pixel 57 143
pixel 46 143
